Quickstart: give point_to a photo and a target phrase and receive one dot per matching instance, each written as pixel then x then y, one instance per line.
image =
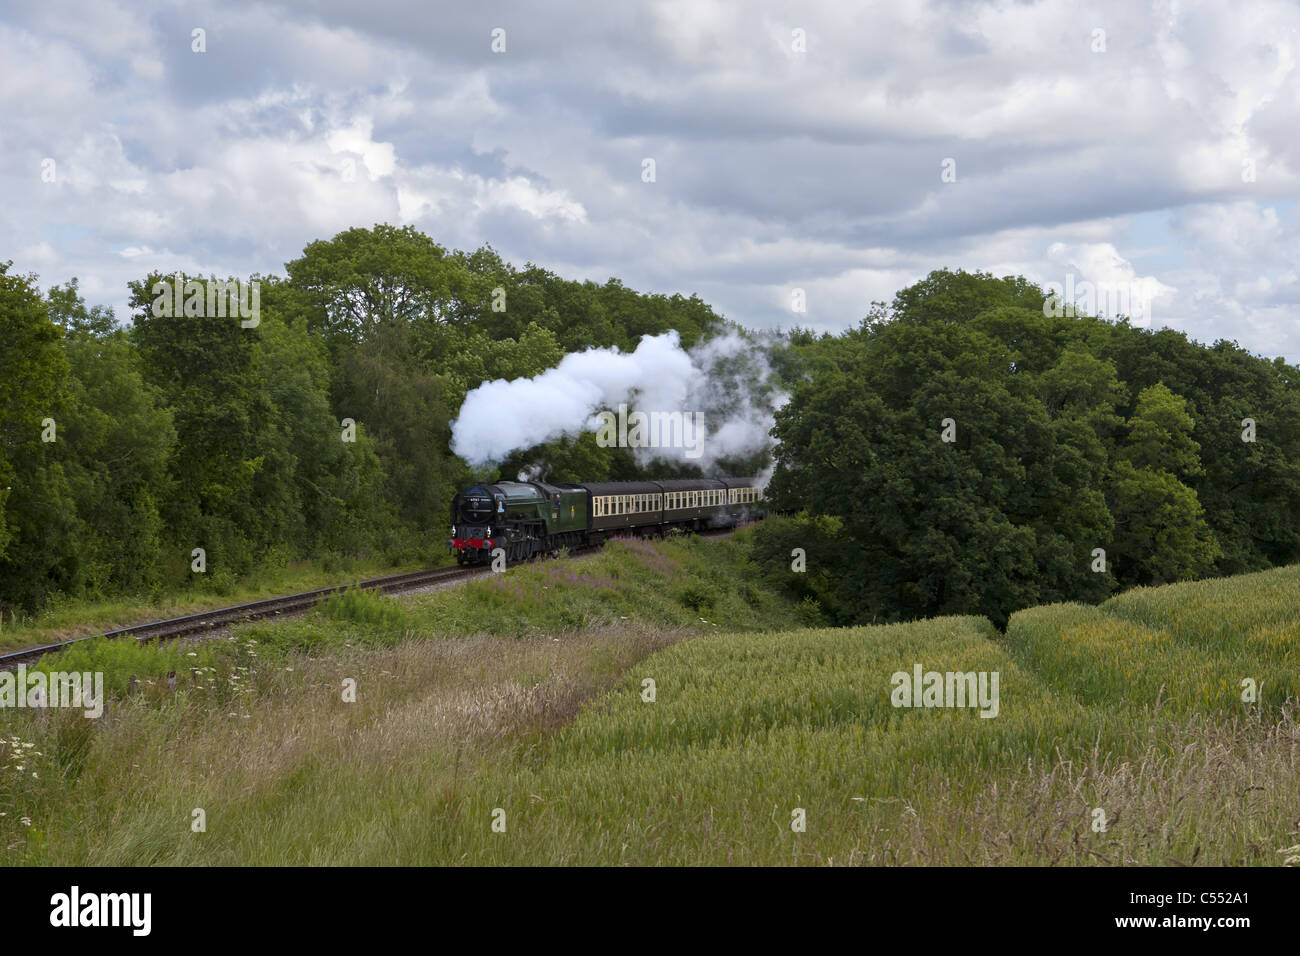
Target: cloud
pixel 778 165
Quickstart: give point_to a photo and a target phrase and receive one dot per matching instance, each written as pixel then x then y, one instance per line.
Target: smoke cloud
pixel 726 380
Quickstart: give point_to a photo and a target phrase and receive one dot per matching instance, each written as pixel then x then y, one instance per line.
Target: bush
pixel 358 606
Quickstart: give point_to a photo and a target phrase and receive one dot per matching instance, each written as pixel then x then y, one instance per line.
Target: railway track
pixel 205 621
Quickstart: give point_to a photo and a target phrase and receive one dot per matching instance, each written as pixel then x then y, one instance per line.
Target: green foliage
pixel 115 449
pixel 191 430
pixel 357 606
pixel 1071 434
pixel 38 524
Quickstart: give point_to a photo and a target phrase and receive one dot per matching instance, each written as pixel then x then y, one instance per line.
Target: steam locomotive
pixel 525 518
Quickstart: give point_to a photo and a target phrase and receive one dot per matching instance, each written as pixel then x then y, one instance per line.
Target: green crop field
pixel 1134 708
pixel 593 712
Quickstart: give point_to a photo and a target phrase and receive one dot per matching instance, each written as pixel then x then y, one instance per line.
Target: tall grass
pixel 526 694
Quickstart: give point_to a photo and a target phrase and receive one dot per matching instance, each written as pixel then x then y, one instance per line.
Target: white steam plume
pixel 726 379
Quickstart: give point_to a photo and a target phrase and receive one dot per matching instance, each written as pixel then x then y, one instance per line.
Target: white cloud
pixel 775 168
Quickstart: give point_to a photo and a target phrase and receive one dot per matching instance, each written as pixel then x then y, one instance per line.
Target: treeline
pixel 321 428
pixel 962 452
pixel 958 452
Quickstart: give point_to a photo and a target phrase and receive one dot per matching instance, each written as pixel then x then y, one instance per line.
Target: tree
pixel 204 368
pixel 114 447
pixel 1160 530
pixel 38 523
pixel 366 280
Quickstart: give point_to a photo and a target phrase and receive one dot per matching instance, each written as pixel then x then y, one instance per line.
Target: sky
pixel 765 156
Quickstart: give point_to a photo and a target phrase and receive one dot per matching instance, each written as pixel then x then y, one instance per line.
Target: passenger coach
pixel 530 517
